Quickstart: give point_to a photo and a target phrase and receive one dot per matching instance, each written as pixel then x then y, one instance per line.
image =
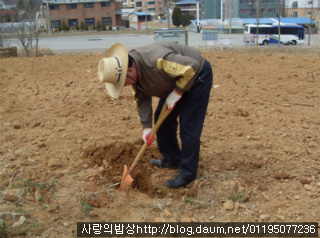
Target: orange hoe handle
pixel 127 180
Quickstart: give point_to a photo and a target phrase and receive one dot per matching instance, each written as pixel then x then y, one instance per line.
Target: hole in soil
pixel 111 158
pixel 109 161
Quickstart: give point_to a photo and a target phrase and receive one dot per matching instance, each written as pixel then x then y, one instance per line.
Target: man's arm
pixel 144 107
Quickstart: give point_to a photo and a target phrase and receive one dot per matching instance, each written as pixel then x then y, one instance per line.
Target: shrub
pixel 64 26
pixel 186 18
pixel 99 25
pixel 176 16
pixel 82 27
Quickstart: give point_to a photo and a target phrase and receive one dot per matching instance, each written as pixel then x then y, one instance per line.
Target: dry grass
pixel 32 52
pixel 271 50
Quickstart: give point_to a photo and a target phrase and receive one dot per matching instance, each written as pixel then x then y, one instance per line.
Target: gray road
pixel 102 42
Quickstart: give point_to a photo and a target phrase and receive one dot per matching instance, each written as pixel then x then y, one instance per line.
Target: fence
pixel 226 41
pixel 8 52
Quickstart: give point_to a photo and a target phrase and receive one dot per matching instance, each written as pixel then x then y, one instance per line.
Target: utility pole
pixel 168 13
pixel 231 11
pixel 198 24
pixel 279 24
pixel 48 20
pixel 146 14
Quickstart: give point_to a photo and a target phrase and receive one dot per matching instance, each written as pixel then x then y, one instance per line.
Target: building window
pixel 54 7
pixel 310 2
pixel 71 6
pixel 106 4
pixel 89 21
pixel 73 22
pixel 151 3
pixel 295 4
pixel 295 14
pixel 138 4
pixel 56 24
pixel 89 5
pixel 106 21
pixel 152 9
pixel 309 13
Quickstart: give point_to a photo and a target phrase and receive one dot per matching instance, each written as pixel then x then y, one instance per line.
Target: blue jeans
pixel 191 110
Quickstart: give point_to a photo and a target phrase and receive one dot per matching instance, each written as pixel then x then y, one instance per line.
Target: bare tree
pixel 260 9
pixel 1 41
pixel 24 36
pixel 313 12
pixel 34 28
pixel 27 32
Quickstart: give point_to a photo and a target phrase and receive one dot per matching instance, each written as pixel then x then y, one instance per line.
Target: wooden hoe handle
pixel 163 115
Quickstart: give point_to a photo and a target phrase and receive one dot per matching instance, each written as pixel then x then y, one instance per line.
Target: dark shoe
pixel 177 182
pixel 159 164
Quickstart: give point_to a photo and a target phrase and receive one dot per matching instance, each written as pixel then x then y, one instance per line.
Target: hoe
pixel 127 180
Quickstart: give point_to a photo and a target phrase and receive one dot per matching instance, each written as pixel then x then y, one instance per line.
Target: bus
pixel 268 34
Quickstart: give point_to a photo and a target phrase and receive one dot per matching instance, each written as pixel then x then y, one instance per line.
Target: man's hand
pixel 146 135
pixel 173 98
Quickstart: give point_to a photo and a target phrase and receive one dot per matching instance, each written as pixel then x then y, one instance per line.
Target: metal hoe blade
pixel 126 180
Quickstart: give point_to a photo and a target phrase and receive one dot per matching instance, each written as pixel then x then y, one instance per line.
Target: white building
pixel 302 8
pixel 7 4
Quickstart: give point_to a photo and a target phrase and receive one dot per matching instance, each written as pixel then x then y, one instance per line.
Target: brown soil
pixel 64 143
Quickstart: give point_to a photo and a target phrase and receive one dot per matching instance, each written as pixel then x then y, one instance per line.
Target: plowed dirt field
pixel 64 142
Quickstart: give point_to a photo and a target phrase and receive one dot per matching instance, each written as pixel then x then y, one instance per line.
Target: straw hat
pixel 113 69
